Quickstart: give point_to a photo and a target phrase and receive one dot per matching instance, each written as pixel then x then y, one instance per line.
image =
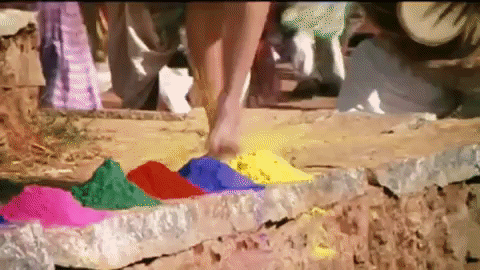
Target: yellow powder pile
pixel 263 167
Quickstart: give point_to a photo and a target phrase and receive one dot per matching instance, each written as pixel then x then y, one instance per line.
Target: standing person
pixel 91 17
pixel 142 38
pixel 71 79
pixel 222 40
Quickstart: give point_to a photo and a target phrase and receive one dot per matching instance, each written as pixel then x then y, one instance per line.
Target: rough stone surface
pixel 167 229
pixel 404 156
pixel 118 114
pixel 23 246
pixel 373 231
pixel 19 57
pixel 440 169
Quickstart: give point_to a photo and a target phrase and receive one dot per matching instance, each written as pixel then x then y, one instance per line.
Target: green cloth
pixel 110 189
pixel 322 19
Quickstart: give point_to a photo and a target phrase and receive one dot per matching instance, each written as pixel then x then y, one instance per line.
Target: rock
pixel 133 235
pixel 440 169
pixel 412 214
pixel 13 20
pixel 23 246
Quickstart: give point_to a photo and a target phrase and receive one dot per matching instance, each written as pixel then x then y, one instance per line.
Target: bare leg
pixel 266 84
pixel 244 23
pixel 204 25
pixel 223 38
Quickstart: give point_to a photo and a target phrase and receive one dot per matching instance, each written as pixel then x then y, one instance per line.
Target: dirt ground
pixel 316 142
pixel 375 231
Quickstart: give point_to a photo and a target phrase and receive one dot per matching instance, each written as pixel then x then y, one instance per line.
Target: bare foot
pixel 223 138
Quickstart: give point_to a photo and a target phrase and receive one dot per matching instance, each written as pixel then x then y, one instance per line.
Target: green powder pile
pixel 110 189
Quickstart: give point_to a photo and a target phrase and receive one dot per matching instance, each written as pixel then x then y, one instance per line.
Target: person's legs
pixel 90 15
pixel 244 23
pixel 223 38
pixel 204 24
pixel 71 78
pixel 329 61
pixel 265 87
pixel 135 55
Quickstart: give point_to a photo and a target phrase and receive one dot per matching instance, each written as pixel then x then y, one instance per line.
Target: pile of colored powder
pixel 158 181
pixel 214 176
pixel 2 220
pixel 110 189
pixel 264 167
pixel 50 206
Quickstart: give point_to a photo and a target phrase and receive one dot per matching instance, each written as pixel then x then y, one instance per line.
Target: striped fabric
pixel 68 67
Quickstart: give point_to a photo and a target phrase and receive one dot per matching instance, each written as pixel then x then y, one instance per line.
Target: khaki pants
pixel 135 52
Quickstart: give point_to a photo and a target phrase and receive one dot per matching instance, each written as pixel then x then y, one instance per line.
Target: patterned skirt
pixel 68 67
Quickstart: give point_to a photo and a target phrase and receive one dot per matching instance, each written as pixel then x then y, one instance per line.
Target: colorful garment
pixel 70 74
pixel 322 19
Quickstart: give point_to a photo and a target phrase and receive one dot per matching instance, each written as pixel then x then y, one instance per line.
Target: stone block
pixel 168 229
pixel 23 246
pixel 413 174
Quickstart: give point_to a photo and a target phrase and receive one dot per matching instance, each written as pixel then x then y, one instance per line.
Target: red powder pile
pixel 52 207
pixel 158 181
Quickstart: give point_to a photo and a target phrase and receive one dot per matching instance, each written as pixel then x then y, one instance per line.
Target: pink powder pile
pixel 52 207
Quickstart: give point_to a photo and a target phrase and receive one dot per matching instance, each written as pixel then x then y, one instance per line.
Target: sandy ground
pixel 313 140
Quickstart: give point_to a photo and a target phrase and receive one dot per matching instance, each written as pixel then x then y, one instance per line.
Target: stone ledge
pixel 23 246
pixel 178 225
pixel 414 174
pixel 116 114
pixel 167 229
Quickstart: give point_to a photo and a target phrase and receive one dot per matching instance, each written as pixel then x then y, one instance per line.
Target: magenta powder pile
pixel 52 207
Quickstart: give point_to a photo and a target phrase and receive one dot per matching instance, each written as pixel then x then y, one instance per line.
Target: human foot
pixel 223 138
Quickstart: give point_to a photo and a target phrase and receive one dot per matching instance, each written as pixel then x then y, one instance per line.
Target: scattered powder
pixel 323 253
pixel 109 189
pixel 158 181
pixel 52 207
pixel 264 167
pixel 215 176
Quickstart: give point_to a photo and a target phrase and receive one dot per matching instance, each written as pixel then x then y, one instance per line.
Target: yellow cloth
pixel 264 167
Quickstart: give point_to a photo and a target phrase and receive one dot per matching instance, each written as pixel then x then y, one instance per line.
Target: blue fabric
pixel 214 176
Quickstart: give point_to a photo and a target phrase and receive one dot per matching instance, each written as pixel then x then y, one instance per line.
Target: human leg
pixel 204 24
pixel 135 55
pixel 244 23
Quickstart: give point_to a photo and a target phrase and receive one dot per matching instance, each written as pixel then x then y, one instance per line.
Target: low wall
pixel 411 212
